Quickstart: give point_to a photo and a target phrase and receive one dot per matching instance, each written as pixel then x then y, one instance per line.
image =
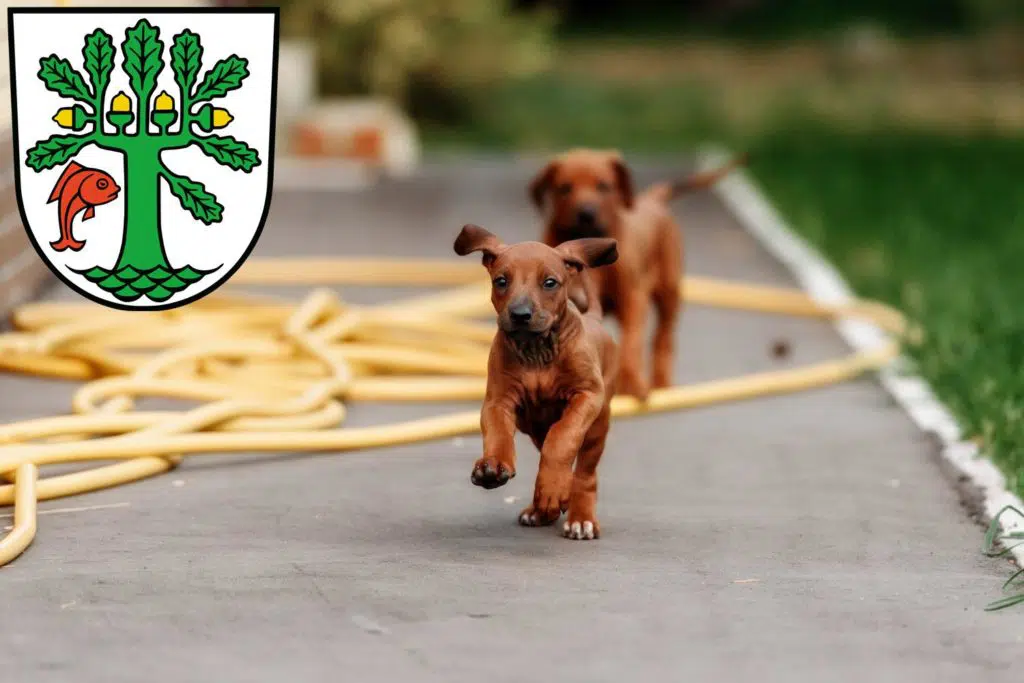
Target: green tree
pixel 142 268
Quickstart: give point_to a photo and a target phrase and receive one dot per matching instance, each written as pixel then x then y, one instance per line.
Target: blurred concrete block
pixel 364 130
pixel 322 174
pixel 22 273
pixel 296 87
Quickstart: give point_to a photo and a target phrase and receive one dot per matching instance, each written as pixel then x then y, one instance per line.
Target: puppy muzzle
pixel 523 318
pixel 575 231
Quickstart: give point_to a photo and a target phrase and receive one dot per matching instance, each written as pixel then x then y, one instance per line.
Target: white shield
pixel 144 143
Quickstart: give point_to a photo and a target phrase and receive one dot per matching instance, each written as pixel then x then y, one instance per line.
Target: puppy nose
pixel 586 215
pixel 520 314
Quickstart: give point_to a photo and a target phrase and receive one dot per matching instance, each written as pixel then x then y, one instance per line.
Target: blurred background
pixel 660 76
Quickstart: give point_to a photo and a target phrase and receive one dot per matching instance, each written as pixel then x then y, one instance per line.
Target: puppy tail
pixel 701 181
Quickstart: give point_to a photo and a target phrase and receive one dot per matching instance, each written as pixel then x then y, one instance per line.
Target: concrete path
pixel 810 537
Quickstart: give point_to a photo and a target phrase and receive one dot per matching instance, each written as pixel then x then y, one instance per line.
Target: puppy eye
pixel 564 188
pixel 501 282
pixel 550 283
pixel 603 187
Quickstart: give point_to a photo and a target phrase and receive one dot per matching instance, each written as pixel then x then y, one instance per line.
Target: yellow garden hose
pixel 269 375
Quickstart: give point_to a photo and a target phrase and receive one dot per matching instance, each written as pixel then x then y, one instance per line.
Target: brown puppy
pixel 591 195
pixel 551 374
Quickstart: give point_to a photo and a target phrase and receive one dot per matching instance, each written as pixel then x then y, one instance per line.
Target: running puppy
pixel 589 193
pixel 551 374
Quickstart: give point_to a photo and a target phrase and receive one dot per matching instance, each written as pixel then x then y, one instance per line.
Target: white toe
pixel 565 528
pixel 588 530
pixel 576 530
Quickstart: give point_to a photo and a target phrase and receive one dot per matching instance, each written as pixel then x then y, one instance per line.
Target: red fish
pixel 79 189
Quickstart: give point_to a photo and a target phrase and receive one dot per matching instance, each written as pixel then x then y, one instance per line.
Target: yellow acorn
pixel 164 102
pixel 64 117
pixel 163 112
pixel 211 118
pixel 221 118
pixel 73 118
pixel 121 103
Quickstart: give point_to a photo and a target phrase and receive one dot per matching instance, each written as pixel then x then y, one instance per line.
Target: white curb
pixel 824 284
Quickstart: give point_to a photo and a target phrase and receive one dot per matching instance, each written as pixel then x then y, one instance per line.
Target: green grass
pixel 999 543
pixel 550 112
pixel 934 225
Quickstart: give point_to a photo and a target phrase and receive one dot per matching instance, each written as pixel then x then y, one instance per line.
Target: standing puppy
pixel 589 193
pixel 551 374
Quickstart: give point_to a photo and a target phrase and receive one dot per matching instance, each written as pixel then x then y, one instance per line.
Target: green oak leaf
pixel 143 58
pixel 186 60
pixel 55 150
pixel 99 60
pixel 62 78
pixel 225 76
pixel 228 151
pixel 195 199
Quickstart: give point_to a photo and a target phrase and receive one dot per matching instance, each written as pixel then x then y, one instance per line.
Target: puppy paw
pixel 661 381
pixel 531 517
pixel 581 530
pixel 551 495
pixel 490 474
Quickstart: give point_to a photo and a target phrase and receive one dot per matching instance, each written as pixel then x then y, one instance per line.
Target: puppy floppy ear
pixel 541 183
pixel 474 238
pixel 623 179
pixel 589 252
